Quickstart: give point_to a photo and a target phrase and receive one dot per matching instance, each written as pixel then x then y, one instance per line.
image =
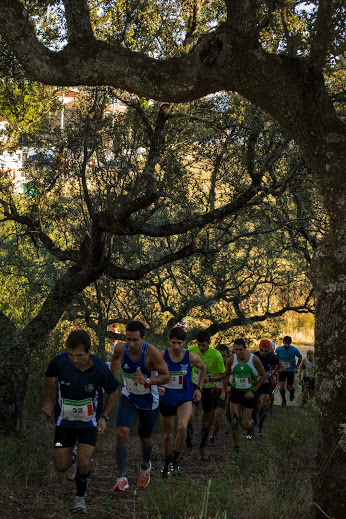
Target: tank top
pixel 142 396
pixel 309 368
pixel 244 375
pixel 180 388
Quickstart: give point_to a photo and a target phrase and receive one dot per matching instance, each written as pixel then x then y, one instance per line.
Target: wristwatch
pixel 105 417
pixel 200 388
pixel 147 381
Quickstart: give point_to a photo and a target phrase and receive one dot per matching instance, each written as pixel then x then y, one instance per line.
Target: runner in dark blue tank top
pixel 143 370
pixel 176 397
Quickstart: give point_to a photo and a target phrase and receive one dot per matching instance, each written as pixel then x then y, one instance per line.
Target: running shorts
pixel 238 397
pixel 68 436
pixel 127 414
pixel 207 400
pixel 217 402
pixel 287 375
pixel 166 410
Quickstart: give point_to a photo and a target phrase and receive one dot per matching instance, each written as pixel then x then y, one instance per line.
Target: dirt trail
pixel 53 498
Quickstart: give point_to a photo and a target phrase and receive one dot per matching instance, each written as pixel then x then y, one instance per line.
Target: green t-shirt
pixel 214 361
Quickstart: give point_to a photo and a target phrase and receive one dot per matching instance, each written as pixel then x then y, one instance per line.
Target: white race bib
pixel 287 364
pixel 134 387
pixel 177 379
pixel 242 382
pixel 81 410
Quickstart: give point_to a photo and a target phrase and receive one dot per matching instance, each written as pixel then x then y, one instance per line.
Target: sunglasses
pixel 264 351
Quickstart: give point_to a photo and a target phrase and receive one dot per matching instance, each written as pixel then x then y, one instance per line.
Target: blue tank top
pixel 180 388
pixel 142 396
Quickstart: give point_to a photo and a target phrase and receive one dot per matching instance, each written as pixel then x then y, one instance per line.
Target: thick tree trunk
pixel 328 275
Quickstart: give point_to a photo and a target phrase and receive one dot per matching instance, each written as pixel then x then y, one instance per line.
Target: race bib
pixel 195 377
pixel 176 382
pixel 81 410
pixel 242 382
pixel 287 364
pixel 134 387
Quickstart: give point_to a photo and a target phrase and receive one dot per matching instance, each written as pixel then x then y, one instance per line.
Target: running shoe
pixel 144 477
pixel 202 455
pixel 250 433
pixel 292 395
pixel 211 441
pixel 284 403
pixel 186 454
pixel 121 484
pixel 166 470
pixel 79 504
pixel 260 430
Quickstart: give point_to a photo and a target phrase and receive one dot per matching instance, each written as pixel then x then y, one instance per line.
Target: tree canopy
pixel 285 57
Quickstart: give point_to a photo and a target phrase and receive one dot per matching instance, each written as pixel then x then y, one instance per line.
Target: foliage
pixel 24 105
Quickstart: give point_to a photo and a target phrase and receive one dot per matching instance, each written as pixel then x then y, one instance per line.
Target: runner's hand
pixel 48 409
pixel 197 395
pixel 138 377
pixel 101 425
pixel 162 390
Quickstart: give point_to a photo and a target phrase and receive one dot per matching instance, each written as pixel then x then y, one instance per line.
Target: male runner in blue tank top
pixel 143 370
pixel 80 413
pixel 177 396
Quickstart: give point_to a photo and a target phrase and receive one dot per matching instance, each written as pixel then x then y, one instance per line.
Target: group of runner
pixel 171 383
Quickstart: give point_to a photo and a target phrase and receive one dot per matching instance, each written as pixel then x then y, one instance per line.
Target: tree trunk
pixel 14 368
pixel 328 275
pixel 16 346
pixel 329 278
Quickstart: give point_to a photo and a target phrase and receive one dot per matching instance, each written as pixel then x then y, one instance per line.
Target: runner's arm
pixel 280 368
pixel 229 363
pixel 301 367
pixel 48 384
pixel 109 404
pixel 299 361
pixel 261 371
pixel 117 357
pixel 155 362
pixel 195 360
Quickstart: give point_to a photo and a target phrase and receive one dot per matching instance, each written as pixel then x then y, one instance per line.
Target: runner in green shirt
pixel 215 371
pixel 246 374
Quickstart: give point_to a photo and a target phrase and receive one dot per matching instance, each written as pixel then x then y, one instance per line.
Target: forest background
pixel 207 210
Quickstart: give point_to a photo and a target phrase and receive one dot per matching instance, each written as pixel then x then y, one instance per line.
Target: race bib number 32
pixel 81 410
